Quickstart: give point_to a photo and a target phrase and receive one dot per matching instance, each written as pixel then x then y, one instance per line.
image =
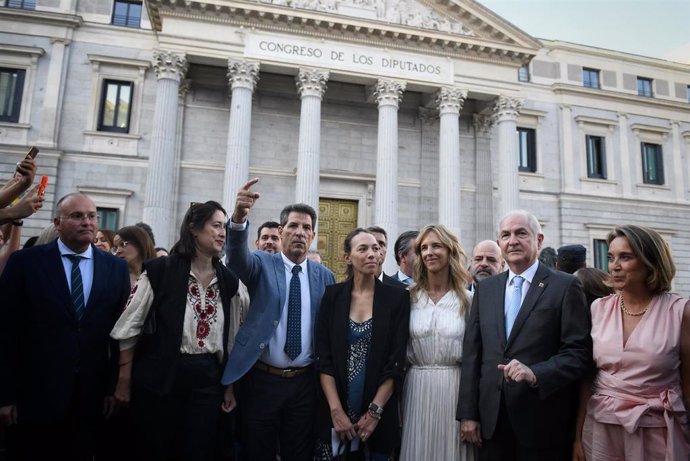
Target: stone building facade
pixel 390 112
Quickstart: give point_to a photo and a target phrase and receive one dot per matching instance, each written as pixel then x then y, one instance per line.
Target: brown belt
pixel 282 372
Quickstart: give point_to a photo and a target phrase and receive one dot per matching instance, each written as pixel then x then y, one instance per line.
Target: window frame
pixel 658 160
pixel 601 171
pixel 127 17
pixel 524 74
pixel 18 96
pixel 21 4
pixel 643 91
pixel 599 259
pixel 104 97
pixel 587 82
pixel 530 146
pixel 106 215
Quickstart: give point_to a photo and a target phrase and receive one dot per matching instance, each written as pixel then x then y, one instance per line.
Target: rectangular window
pixel 127 13
pixel 527 149
pixel 523 74
pixel 116 106
pixel 652 164
pixel 590 78
pixel 11 89
pixel 688 93
pixel 107 218
pixel 644 87
pixel 596 157
pixel 23 4
pixel 601 254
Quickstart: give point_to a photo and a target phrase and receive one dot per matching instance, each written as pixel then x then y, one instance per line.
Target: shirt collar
pixel 88 254
pixel 528 274
pixel 289 264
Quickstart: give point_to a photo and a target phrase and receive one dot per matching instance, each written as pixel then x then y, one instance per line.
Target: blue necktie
pixel 77 290
pixel 408 281
pixel 293 342
pixel 515 302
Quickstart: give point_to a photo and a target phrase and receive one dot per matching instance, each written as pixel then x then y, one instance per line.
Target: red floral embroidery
pixel 205 308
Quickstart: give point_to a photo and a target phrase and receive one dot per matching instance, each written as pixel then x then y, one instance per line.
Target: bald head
pixel 486 260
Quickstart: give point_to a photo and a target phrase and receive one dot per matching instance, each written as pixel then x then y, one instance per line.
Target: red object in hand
pixel 42 186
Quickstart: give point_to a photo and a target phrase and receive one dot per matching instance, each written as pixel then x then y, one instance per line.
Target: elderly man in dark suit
pixel 526 345
pixel 60 302
pixel 273 350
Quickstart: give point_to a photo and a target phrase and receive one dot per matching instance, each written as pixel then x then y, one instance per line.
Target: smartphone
pixel 33 152
pixel 42 186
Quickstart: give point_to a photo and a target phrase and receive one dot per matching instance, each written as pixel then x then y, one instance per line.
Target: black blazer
pixel 157 352
pixel 391 320
pixel 551 335
pixel 388 280
pixel 45 352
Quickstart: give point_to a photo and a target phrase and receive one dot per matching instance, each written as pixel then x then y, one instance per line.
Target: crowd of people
pixel 111 348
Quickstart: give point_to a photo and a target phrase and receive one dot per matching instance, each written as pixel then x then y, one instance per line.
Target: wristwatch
pixel 377 410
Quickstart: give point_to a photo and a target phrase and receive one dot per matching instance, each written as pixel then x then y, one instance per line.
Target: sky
pixel 654 28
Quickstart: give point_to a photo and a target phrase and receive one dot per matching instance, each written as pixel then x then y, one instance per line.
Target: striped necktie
pixel 77 290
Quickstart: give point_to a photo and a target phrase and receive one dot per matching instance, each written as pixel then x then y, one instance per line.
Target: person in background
pixel 20 183
pixel 133 244
pixel 635 406
pixel 382 239
pixel 47 235
pixel 571 258
pixel 173 337
pixel 31 241
pixel 360 340
pixel 440 304
pixel 595 283
pixel 486 262
pixel 315 256
pixel 268 238
pixel 548 257
pixel 160 252
pixel 10 242
pixel 104 240
pixel 405 256
pixel 146 228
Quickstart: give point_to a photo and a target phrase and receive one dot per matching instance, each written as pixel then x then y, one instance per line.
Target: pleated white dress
pixel 430 394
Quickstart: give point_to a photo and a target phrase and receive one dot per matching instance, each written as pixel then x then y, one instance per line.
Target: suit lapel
pixel 536 288
pixel 314 295
pixel 498 301
pixel 98 283
pixel 279 268
pixel 59 280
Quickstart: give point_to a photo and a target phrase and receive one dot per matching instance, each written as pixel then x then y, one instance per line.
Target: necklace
pixel 632 314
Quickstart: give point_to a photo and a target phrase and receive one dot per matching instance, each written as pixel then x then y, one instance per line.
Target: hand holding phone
pixel 27 167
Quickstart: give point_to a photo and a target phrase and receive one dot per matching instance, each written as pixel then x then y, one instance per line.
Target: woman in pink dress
pixel 635 409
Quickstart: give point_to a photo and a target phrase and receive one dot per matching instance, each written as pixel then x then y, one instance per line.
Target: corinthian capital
pixel 482 123
pixel 168 64
pixel 242 74
pixel 450 100
pixel 311 82
pixel 389 92
pixel 507 108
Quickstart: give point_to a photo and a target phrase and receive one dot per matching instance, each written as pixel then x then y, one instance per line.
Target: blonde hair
pixel 653 251
pixel 459 276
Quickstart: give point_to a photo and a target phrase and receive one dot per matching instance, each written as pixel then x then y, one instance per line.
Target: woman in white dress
pixel 439 304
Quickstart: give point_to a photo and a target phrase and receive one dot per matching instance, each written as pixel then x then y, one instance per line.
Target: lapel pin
pixel 541 284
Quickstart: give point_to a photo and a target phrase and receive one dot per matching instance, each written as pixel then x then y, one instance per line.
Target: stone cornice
pixel 71 21
pixel 326 25
pixel 25 50
pixel 576 90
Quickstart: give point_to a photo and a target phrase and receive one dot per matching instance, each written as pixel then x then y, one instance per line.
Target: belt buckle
pixel 288 373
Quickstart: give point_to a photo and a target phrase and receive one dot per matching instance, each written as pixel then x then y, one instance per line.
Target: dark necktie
pixel 77 290
pixel 293 341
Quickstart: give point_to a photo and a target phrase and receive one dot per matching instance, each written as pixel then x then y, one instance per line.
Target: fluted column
pixel 484 188
pixel 388 95
pixel 185 86
pixel 450 102
pixel 506 113
pixel 242 76
pixel 311 84
pixel 170 67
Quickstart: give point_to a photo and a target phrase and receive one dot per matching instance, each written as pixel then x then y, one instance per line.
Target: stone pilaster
pixel 159 202
pixel 484 185
pixel 388 95
pixel 311 84
pixel 450 102
pixel 506 113
pixel 50 109
pixel 242 77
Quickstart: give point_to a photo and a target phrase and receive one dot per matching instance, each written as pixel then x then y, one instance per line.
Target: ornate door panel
pixel 336 219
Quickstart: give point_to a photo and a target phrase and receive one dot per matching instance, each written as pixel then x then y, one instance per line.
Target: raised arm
pixel 237 255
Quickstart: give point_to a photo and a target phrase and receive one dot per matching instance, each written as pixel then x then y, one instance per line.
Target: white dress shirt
pixel 528 275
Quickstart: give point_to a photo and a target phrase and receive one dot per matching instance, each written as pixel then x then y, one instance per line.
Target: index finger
pixel 250 183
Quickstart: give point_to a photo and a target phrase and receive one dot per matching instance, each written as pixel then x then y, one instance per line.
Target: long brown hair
pixel 459 276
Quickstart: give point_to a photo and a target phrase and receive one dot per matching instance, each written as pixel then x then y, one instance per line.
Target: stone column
pixel 170 67
pixel 242 76
pixel 678 185
pixel 626 170
pixel 185 86
pixel 311 84
pixel 506 113
pixel 567 170
pixel 52 97
pixel 388 95
pixel 450 102
pixel 485 227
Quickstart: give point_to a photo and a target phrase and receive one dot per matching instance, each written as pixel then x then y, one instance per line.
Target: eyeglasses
pixel 81 217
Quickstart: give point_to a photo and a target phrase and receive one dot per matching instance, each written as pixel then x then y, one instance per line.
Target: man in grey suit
pixel 526 345
pixel 273 350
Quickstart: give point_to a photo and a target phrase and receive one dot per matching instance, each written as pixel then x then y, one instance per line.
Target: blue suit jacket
pixel 44 348
pixel 264 276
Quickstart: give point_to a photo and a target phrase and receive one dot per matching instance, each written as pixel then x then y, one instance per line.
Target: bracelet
pixel 374 415
pixel 18 223
pixel 126 363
